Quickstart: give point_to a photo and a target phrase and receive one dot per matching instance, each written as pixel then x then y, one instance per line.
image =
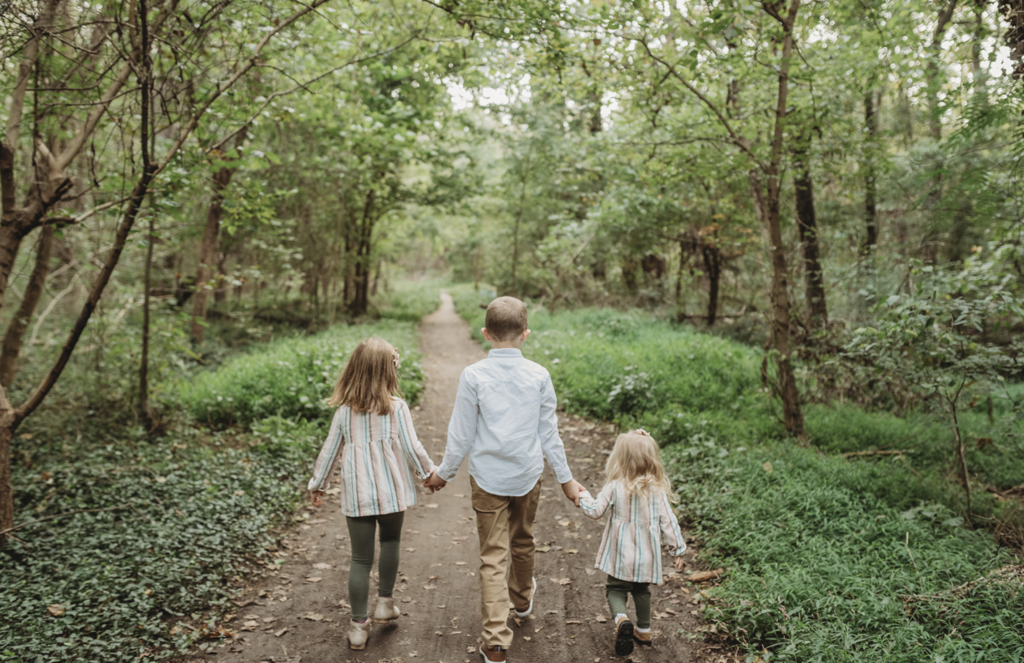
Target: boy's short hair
pixel 506 318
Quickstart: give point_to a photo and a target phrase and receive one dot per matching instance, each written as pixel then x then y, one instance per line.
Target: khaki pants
pixel 504 524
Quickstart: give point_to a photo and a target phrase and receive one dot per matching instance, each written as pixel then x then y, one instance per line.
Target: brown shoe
pixel 623 637
pixel 643 639
pixel 495 653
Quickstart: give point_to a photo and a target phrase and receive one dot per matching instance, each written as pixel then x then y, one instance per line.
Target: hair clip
pixel 397 358
pixel 641 431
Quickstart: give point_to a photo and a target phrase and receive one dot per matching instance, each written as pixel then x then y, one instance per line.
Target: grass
pixel 293 377
pixel 823 553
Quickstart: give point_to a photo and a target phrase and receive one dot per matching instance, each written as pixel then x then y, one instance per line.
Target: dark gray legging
pixel 361 531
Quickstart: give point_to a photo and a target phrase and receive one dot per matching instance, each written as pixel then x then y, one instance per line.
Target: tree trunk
pixel 144 411
pixel 807 223
pixel 870 213
pixel 713 268
pixel 787 389
pixel 19 324
pixel 363 245
pixel 210 244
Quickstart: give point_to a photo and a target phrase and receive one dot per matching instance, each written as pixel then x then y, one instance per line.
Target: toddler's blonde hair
pixel 636 463
pixel 370 378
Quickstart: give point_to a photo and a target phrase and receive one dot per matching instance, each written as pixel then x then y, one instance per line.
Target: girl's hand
pixel 317 494
pixel 680 563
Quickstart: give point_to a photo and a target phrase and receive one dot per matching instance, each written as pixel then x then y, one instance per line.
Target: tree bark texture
pixel 807 223
pixel 15 335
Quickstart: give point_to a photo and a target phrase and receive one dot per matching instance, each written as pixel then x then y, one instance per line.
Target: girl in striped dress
pixel 639 495
pixel 373 437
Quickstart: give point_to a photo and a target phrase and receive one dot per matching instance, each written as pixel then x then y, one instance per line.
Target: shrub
pixel 293 377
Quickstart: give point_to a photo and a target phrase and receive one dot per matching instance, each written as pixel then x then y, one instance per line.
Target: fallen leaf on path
pixel 601 619
pixel 432 506
pixel 313 616
pixel 590 572
pixel 460 563
pixel 703 576
pixel 313 579
pixel 321 565
pixel 552 612
pixel 56 609
pixel 561 581
pixel 278 634
pixel 429 587
pixel 249 625
pixel 767 467
pixel 572 551
pixel 564 523
pixel 527 638
pixel 459 495
pixel 251 616
pixel 543 548
pixel 573 621
pixel 410 550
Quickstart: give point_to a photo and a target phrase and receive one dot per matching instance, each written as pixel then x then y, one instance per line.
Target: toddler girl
pixel 372 432
pixel 639 495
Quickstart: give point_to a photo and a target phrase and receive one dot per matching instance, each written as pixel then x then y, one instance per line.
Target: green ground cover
pixel 162 530
pixel 823 553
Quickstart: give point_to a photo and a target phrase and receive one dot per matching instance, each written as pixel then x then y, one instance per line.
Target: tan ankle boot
pixel 358 632
pixel 386 611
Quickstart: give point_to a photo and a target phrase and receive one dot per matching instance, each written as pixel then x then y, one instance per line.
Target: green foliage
pixel 824 555
pixel 293 377
pixel 200 518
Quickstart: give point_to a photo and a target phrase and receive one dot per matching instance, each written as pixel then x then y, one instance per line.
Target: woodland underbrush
pixel 863 557
pixel 131 545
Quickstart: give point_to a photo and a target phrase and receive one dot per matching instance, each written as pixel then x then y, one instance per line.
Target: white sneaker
pixel 386 611
pixel 358 632
pixel 526 613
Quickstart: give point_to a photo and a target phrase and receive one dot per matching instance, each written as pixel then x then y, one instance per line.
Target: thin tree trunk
pixel 961 453
pixel 19 324
pixel 791 412
pixel 870 211
pixel 144 411
pixel 713 268
pixel 807 223
pixel 210 244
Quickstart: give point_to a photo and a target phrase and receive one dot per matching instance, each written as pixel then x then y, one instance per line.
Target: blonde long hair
pixel 636 463
pixel 370 378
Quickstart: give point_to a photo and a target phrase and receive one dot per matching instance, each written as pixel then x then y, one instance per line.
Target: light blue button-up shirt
pixel 504 420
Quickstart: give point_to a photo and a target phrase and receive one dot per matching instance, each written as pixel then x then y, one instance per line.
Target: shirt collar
pixel 505 353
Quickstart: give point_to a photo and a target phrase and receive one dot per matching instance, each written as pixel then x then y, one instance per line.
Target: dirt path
pixel 300 612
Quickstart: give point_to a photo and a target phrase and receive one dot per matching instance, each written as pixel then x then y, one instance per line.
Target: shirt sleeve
pixel 670 526
pixel 328 457
pixel 595 508
pixel 415 454
pixel 461 430
pixel 547 429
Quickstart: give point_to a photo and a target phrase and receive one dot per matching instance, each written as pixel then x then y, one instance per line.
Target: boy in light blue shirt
pixel 504 420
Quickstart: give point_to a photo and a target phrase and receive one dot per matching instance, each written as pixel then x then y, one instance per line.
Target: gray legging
pixel 361 531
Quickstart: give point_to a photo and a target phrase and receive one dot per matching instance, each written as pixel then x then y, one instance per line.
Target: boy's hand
pixel 680 564
pixel 434 482
pixel 317 494
pixel 572 490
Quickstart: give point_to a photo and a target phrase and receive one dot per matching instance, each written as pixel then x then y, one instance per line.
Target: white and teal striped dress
pixel 631 545
pixel 376 454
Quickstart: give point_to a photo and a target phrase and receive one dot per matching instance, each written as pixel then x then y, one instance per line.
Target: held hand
pixel 317 494
pixel 572 490
pixel 680 564
pixel 434 482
